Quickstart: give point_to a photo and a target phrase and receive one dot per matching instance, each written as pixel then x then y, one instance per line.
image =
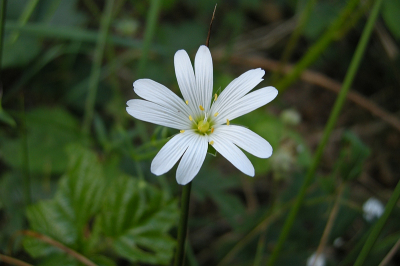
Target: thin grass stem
pixel 330 222
pixel 25 155
pixel 294 38
pixel 315 51
pixel 355 63
pixel 390 255
pixel 23 19
pixel 96 67
pixel 2 21
pixel 372 237
pixel 148 35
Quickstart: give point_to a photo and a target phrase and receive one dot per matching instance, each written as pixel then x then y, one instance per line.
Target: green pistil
pixel 203 127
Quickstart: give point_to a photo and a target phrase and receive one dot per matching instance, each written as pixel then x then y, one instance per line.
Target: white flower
pixel 372 208
pixel 338 242
pixel 313 261
pixel 201 117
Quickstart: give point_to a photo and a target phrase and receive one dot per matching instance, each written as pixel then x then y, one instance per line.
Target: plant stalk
pixel 323 42
pixel 329 224
pixel 182 228
pixel 96 67
pixel 379 224
pixel 355 63
pixel 148 35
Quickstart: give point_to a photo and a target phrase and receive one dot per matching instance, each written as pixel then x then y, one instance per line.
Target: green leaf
pixel 20 52
pixel 391 15
pixel 48 132
pixel 138 217
pixel 78 198
pixel 6 118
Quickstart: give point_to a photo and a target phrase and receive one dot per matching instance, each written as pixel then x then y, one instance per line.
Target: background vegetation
pixel 75 180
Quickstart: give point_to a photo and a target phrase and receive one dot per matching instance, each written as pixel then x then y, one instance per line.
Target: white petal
pixel 204 76
pixel 192 160
pixel 170 153
pixel 159 94
pixel 156 114
pixel 186 81
pixel 245 139
pixel 247 103
pixel 237 89
pixel 232 153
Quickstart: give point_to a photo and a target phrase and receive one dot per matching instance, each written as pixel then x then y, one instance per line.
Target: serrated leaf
pixel 78 198
pixel 137 217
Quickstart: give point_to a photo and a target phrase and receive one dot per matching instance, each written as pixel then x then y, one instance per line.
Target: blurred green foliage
pixel 96 195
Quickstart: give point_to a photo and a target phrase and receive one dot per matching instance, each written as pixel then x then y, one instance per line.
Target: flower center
pixel 203 126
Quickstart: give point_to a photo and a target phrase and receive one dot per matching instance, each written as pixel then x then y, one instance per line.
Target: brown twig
pixel 209 29
pixel 329 224
pixel 57 244
pixel 13 261
pixel 322 81
pixel 391 253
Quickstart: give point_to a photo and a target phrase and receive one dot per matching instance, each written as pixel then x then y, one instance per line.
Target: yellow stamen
pixel 227 122
pixel 212 130
pixel 190 118
pixel 182 131
pixel 215 115
pixel 215 97
pixel 187 102
pixel 201 107
pixel 211 142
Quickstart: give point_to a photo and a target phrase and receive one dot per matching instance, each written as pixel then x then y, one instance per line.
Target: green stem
pixel 23 19
pixel 315 51
pixel 74 34
pixel 294 38
pixel 148 35
pixel 96 67
pixel 182 228
pixel 381 222
pixel 355 62
pixel 25 155
pixel 260 249
pixel 2 21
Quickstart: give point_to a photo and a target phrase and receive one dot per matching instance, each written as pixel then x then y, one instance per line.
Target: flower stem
pixel 355 62
pixel 182 228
